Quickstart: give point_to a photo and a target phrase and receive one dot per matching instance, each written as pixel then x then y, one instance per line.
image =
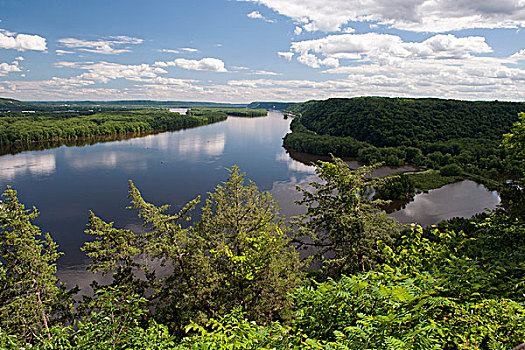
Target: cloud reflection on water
pixel 12 166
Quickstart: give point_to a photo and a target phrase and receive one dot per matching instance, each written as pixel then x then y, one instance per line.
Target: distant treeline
pixel 15 105
pixel 24 128
pixel 236 112
pixel 426 132
pixel 278 106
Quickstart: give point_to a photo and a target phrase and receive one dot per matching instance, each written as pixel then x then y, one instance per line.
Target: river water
pixel 173 168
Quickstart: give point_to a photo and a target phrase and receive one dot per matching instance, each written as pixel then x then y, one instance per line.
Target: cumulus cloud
pixel 102 72
pixel 6 68
pixel 385 47
pixel 22 42
pixel 207 63
pixel 257 15
pixel 105 47
pixel 286 55
pixel 189 49
pixel 314 62
pixel 414 15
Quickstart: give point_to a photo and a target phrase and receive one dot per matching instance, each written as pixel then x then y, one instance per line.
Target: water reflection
pixel 293 164
pixel 12 167
pixel 286 194
pixel 107 160
pixel 461 199
pixel 211 145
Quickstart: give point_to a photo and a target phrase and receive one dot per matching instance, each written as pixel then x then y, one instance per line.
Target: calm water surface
pixel 173 168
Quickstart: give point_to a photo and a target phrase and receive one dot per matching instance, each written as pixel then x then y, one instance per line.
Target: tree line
pixel 236 112
pixel 22 128
pixel 236 279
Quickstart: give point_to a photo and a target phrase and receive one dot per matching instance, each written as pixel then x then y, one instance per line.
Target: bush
pixel 451 170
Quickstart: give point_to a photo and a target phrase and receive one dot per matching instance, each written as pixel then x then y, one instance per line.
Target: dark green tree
pixel 342 223
pixel 30 297
pixel 246 257
pixel 514 144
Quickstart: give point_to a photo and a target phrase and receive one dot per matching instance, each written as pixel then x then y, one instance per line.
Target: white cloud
pixel 385 47
pixel 123 39
pixel 257 15
pixel 286 55
pixel 63 52
pixel 414 15
pixel 519 55
pixel 474 78
pixel 208 63
pixel 189 49
pixel 6 68
pixel 265 72
pixel 169 50
pixel 298 30
pixel 22 42
pixel 102 72
pixel 105 47
pixel 171 81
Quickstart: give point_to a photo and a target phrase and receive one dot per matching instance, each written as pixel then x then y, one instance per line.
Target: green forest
pixel 423 132
pixel 236 112
pixel 19 131
pixel 238 278
pixel 26 128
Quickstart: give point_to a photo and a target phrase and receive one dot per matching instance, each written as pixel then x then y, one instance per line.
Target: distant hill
pixel 11 104
pixel 385 121
pixel 278 106
pixel 145 103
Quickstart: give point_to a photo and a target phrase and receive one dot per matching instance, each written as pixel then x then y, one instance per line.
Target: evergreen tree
pixel 237 255
pixel 342 224
pixel 30 298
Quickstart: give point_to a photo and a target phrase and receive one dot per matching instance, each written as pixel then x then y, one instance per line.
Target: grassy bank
pixel 430 179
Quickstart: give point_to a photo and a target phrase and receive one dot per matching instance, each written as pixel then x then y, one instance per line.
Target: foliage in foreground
pixel 236 255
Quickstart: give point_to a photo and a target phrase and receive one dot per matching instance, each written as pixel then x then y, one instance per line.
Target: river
pixel 174 167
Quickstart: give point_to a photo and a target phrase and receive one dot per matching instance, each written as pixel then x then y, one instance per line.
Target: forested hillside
pixel 386 122
pixel 9 104
pixel 427 132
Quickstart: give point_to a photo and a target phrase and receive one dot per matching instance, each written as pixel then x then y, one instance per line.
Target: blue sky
pixel 261 50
